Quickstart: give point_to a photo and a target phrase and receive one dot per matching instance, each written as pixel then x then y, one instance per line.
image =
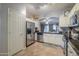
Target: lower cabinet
pixel 71 51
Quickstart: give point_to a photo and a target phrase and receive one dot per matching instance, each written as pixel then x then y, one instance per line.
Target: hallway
pixel 41 49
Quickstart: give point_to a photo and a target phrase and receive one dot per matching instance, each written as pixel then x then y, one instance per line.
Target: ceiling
pixel 47 9
pixel 40 10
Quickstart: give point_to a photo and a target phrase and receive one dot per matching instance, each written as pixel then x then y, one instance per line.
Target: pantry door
pixel 16 32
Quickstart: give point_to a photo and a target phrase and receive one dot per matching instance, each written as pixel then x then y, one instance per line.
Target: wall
pixel 19 29
pixel 0 27
pixel 37 23
pixel 3 30
pixel 54 39
pixel 0 31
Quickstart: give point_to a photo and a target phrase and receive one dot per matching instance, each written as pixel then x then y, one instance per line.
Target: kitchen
pixel 39 27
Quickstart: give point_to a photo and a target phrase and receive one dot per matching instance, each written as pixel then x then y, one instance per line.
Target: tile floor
pixel 41 49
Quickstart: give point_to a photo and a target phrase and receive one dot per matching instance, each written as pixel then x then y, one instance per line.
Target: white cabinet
pixel 74 9
pixel 54 39
pixel 73 12
pixel 70 19
pixel 71 51
pixel 64 21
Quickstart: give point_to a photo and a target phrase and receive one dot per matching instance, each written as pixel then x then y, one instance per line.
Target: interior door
pixel 16 32
pixel 30 34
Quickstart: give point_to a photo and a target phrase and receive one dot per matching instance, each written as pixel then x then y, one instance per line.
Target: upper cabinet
pixel 64 21
pixel 72 19
pixel 74 9
pixel 74 16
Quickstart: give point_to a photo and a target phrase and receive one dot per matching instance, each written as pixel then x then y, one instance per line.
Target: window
pixel 51 28
pixel 50 25
pixel 46 28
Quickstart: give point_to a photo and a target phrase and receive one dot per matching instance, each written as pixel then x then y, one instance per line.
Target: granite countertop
pixel 52 33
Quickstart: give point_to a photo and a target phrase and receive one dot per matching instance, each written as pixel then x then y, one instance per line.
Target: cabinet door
pixel 71 51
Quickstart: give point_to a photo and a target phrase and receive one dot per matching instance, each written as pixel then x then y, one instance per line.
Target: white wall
pixel 3 30
pixel 54 39
pixel 0 26
pixel 37 23
pixel 19 28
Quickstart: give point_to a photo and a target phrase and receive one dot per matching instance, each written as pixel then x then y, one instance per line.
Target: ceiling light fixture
pixel 24 12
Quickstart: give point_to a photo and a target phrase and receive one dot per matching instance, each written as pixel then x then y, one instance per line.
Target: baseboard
pixel 3 54
pixel 24 48
pixel 17 52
